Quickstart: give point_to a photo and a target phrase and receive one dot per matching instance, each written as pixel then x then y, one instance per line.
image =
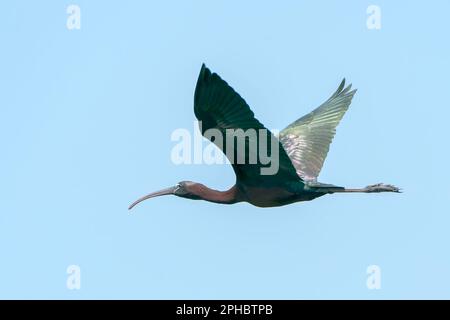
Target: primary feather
pixel 308 139
pixel 218 106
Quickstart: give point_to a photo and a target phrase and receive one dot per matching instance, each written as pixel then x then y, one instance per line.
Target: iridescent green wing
pixel 218 106
pixel 308 139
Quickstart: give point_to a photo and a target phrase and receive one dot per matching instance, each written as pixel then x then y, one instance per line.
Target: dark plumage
pixel 301 148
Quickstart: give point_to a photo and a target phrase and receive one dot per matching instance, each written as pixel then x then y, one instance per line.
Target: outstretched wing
pixel 308 139
pixel 218 106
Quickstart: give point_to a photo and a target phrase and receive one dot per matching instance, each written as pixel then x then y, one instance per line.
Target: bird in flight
pixel 301 147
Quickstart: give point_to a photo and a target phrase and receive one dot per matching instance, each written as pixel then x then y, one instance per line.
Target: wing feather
pixel 307 140
pixel 218 106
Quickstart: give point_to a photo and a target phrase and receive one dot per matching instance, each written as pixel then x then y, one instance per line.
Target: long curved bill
pixel 163 192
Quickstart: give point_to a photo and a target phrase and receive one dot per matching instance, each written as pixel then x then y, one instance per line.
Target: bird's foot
pixel 381 187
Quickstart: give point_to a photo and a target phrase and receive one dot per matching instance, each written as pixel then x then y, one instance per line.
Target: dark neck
pixel 226 197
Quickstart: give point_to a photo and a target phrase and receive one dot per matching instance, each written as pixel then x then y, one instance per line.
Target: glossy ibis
pixel 302 148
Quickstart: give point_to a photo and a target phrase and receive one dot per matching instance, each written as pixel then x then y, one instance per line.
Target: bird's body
pixel 275 196
pixel 301 149
pixel 260 196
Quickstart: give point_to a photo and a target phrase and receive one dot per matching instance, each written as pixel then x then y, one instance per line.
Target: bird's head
pixel 184 189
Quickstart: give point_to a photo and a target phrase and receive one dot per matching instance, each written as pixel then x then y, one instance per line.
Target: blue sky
pixel 86 119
